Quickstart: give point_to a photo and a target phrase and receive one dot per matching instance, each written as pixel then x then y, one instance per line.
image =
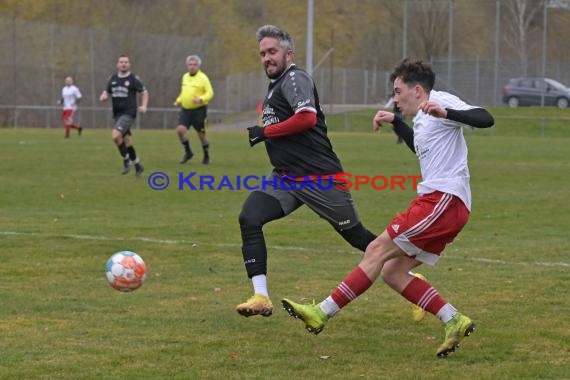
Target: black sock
pixel 206 148
pixel 186 145
pixel 132 154
pixel 123 151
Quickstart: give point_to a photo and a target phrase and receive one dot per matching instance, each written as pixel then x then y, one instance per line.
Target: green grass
pixel 64 209
pixel 520 122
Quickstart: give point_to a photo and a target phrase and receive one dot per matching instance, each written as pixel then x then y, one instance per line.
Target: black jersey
pixel 306 153
pixel 123 91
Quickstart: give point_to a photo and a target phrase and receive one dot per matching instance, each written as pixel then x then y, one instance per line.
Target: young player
pixel 419 234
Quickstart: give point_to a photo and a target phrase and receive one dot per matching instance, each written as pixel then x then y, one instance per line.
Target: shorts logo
pixel 344 222
pixel 395 227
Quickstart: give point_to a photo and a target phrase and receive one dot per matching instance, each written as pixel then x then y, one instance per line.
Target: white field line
pixel 277 247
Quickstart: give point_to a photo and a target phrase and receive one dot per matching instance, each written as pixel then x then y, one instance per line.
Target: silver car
pixel 531 91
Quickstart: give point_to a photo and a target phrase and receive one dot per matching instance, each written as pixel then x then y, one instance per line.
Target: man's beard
pixel 276 74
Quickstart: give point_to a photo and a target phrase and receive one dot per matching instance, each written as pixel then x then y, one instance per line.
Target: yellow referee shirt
pixel 195 86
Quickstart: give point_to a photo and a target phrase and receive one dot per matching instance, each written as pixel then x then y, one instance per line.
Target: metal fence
pixel 50 117
pixel 34 64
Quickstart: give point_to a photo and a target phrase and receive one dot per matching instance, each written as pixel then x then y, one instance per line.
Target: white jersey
pixel 70 95
pixel 442 151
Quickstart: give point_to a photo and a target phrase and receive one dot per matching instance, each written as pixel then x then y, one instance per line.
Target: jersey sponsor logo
pixel 119 92
pixel 395 227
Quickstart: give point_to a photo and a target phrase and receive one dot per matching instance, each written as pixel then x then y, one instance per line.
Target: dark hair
pixel 414 72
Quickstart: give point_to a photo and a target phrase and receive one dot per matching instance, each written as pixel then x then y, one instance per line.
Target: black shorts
pixel 195 117
pixel 324 198
pixel 123 124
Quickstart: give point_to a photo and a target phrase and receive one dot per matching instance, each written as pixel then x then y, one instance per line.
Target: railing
pixel 166 117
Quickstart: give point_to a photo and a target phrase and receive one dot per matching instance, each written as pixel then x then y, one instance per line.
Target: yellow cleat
pixel 311 314
pixel 417 312
pixel 456 329
pixel 256 305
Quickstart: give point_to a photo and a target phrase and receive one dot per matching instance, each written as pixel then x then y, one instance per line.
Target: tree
pixel 520 17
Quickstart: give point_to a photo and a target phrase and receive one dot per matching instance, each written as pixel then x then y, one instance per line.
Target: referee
pixel 195 94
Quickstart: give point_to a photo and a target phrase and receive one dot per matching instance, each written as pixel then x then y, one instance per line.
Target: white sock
pixel 446 313
pixel 260 285
pixel 329 307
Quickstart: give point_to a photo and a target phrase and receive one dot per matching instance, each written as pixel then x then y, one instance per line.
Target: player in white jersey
pixel 70 96
pixel 433 219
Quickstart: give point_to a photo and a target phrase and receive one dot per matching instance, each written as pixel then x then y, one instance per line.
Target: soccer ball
pixel 125 271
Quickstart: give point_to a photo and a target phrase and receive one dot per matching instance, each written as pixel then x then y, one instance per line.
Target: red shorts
pixel 67 116
pixel 428 225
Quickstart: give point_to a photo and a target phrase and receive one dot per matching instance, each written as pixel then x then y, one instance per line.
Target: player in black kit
pixel 295 136
pixel 123 88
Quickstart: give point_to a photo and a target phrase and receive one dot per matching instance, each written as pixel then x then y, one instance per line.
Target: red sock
pixel 74 126
pixel 353 285
pixel 424 295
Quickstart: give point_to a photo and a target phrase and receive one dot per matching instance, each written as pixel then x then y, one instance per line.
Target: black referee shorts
pixel 193 117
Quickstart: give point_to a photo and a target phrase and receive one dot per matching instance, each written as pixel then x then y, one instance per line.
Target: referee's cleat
pixel 206 160
pixel 311 314
pixel 417 312
pixel 256 305
pixel 187 157
pixel 126 167
pixel 456 329
pixel 139 170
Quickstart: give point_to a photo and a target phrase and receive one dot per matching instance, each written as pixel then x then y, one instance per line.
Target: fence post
pixel 477 80
pixel 228 95
pixel 343 86
pixel 365 86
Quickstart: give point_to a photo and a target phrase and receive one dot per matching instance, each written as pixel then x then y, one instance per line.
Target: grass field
pixel 64 209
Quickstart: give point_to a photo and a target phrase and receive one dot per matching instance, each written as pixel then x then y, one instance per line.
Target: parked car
pixel 529 92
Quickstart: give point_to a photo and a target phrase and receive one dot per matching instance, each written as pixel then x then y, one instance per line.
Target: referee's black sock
pixel 186 145
pixel 206 148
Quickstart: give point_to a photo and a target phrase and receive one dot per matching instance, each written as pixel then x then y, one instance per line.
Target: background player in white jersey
pixel 433 219
pixel 70 96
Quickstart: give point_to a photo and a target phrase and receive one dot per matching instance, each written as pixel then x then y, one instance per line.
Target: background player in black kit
pixel 123 88
pixel 295 136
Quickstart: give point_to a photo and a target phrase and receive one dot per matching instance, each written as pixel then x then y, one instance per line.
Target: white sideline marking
pixel 279 247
